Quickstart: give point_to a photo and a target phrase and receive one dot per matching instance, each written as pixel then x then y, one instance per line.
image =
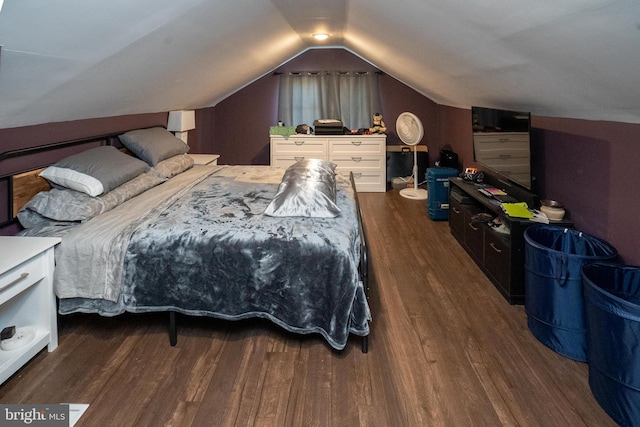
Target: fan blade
pixel 409 128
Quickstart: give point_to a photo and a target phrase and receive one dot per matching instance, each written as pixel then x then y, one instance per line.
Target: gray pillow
pixel 59 204
pixel 308 189
pixel 153 145
pixel 172 166
pixel 95 171
pixel 62 204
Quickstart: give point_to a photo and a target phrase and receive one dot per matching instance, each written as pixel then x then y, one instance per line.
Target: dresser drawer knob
pixel 495 249
pixel 298 143
pixel 356 159
pixel 298 159
pixel 19 279
pixel 356 142
pixel 357 175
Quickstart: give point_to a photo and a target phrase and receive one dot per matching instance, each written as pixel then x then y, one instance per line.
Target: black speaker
pixel 448 159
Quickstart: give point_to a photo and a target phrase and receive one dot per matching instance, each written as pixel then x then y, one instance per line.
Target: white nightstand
pixel 205 159
pixel 26 297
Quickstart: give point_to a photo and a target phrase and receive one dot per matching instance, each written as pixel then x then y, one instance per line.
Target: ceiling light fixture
pixel 321 36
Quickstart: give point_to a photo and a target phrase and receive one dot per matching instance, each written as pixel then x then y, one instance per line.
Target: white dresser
pixel 364 155
pixel 26 297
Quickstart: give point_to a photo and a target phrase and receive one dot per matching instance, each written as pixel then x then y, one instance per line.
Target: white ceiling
pixel 85 58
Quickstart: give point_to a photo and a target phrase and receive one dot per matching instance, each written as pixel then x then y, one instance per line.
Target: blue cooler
pixel 438 190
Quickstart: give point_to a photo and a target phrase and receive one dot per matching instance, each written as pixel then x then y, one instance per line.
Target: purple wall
pixel 238 127
pixel 585 164
pixel 32 136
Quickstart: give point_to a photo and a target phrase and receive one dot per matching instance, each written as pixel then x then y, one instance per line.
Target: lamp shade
pixel 180 121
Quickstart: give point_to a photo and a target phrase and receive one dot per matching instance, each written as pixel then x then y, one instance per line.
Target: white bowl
pixel 554 214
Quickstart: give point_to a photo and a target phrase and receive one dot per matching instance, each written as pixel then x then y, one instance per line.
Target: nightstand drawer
pixel 21 277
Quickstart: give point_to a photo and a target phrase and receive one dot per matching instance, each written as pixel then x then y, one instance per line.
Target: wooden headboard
pixel 26 185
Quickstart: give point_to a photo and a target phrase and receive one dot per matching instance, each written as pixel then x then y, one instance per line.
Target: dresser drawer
pixel 369 181
pixel 19 278
pixel 357 147
pixel 286 161
pixel 358 163
pixel 304 146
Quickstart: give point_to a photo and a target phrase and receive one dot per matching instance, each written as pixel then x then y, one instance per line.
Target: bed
pixel 231 242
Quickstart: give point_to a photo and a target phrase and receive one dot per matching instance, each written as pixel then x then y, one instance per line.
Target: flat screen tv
pixel 501 143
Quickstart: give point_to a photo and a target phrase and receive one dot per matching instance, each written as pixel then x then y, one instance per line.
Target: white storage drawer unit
pixel 364 155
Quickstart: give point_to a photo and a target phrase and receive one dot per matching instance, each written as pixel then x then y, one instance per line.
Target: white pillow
pixel 74 180
pixel 95 171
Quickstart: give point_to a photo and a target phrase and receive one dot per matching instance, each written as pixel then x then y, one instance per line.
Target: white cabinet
pixel 26 297
pixel 364 155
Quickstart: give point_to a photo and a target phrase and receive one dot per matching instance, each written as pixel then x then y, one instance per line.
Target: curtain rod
pixel 315 73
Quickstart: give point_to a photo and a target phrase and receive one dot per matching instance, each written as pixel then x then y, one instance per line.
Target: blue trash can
pixel 612 311
pixel 554 304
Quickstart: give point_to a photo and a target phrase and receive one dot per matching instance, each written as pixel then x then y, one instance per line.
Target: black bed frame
pixel 107 139
pixel 110 139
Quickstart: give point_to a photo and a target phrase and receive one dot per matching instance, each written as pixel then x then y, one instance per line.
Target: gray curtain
pixel 348 96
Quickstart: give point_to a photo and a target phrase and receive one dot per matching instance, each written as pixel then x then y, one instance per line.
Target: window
pixel 348 96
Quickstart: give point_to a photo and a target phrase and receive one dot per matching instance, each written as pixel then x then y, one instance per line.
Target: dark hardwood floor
pixel 445 350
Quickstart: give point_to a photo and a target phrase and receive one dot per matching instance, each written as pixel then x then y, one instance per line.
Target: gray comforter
pixel 199 244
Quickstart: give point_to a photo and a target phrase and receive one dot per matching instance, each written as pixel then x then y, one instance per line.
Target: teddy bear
pixel 378 124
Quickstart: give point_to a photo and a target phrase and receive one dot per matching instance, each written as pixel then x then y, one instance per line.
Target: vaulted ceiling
pixel 85 58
